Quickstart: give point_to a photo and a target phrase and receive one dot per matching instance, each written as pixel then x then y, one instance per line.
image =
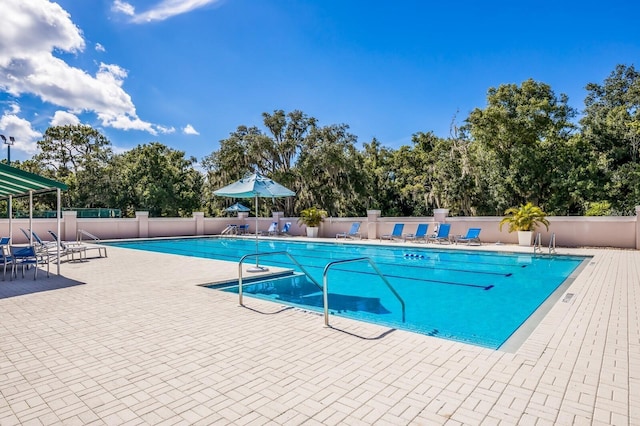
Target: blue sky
pixel 186 73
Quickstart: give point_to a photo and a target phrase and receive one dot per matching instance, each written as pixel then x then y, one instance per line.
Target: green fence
pixel 81 213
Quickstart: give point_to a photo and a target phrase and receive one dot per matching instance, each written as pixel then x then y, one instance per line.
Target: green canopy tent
pixel 16 183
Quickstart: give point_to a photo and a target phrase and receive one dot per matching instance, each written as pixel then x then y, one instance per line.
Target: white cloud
pixel 62 118
pixel 189 130
pixel 100 48
pixel 26 137
pixel 123 7
pixel 166 130
pixel 33 27
pixel 32 31
pixel 164 10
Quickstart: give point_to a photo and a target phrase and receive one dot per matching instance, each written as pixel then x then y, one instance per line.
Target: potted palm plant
pixel 311 218
pixel 524 220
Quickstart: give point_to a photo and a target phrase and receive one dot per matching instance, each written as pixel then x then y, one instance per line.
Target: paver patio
pixel 133 339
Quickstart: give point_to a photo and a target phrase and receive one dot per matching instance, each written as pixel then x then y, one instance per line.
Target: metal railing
pixel 325 285
pixel 537 243
pixel 293 259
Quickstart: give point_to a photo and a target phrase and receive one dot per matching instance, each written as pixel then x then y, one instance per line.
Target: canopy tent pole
pixel 30 218
pixel 58 216
pixel 257 268
pixel 10 210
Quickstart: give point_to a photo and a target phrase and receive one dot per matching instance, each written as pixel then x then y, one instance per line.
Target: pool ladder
pixel 325 281
pixel 537 244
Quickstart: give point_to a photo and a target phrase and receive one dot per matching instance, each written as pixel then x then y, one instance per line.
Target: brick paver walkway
pixel 132 339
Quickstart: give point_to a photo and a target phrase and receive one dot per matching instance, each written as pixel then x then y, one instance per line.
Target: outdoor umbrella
pixel 254 185
pixel 237 207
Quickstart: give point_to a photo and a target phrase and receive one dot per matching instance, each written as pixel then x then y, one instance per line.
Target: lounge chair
pixel 273 229
pixel 473 236
pixel 243 229
pixel 70 249
pixel 442 235
pixel 40 245
pixel 285 229
pixel 395 234
pixel 6 258
pixel 420 235
pixel 230 230
pixel 27 256
pixel 354 232
pixel 95 242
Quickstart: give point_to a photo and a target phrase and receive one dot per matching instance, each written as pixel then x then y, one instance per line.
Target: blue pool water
pixel 477 297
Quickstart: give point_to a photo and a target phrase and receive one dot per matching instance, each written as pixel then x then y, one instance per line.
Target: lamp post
pixel 9 143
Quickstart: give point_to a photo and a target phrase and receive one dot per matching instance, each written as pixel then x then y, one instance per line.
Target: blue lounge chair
pixel 442 235
pixel 285 229
pixel 421 233
pixel 473 236
pixel 40 245
pixel 354 232
pixel 243 229
pixel 6 258
pixel 395 234
pixel 27 256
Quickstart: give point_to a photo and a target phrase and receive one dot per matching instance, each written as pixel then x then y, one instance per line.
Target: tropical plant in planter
pixel 524 219
pixel 311 218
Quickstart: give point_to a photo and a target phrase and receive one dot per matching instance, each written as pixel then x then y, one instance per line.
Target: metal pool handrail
pixel 325 285
pixel 537 243
pixel 293 259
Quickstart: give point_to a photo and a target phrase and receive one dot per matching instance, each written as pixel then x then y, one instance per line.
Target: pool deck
pixel 135 339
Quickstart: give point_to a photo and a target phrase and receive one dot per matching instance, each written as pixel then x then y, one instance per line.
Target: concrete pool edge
pixel 526 329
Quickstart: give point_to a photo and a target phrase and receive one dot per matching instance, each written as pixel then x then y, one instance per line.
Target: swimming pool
pixel 478 297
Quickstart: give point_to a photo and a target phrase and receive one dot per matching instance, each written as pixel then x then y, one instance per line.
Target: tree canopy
pixel 523 146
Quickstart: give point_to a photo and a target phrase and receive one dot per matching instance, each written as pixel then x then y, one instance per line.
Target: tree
pixel 611 129
pixel 159 179
pixel 523 136
pixel 380 191
pixel 288 133
pixel 329 172
pixel 446 173
pixel 76 155
pixel 249 149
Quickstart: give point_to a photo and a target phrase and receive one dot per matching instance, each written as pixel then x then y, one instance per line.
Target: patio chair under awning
pixel 16 183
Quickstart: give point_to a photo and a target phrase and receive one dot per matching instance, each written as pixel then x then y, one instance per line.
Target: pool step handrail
pixel 271 253
pixel 552 243
pixel 325 284
pixel 537 243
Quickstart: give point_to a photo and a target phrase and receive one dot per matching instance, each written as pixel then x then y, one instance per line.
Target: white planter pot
pixel 524 238
pixel 312 231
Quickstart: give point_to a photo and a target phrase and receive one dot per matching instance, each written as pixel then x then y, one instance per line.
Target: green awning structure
pixel 19 183
pixel 16 183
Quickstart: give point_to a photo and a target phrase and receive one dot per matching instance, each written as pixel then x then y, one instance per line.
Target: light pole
pixel 9 143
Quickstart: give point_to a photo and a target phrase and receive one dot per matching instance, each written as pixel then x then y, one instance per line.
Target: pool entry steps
pixel 300 282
